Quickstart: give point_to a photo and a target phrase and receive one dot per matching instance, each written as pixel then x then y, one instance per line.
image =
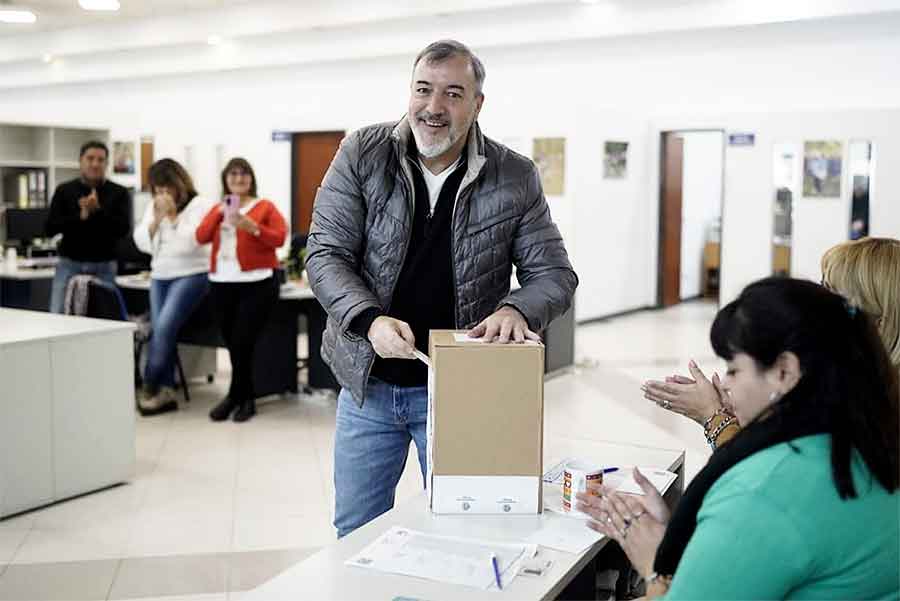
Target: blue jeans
pixel 67 268
pixel 171 304
pixel 370 449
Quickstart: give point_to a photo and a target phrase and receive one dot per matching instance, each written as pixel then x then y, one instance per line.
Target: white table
pixel 324 576
pixel 67 423
pixel 289 291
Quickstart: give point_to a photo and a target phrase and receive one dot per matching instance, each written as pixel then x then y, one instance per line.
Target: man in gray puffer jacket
pixel 417 226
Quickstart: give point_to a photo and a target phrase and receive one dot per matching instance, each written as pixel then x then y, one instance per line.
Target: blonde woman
pixel 865 272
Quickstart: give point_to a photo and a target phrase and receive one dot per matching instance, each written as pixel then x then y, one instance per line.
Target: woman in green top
pixel 802 503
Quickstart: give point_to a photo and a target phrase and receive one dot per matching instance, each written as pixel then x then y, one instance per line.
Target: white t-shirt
pixel 436 182
pixel 228 269
pixel 174 246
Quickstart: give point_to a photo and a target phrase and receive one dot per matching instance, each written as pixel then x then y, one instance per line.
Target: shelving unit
pixel 50 150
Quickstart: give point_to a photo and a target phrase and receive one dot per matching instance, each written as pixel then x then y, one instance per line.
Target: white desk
pixel 324 576
pixel 67 407
pixel 42 273
pixel 289 291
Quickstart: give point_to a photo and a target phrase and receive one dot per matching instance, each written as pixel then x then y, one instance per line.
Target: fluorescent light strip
pixel 99 4
pixel 17 16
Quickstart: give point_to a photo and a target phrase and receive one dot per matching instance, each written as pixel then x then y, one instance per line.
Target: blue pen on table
pixel 496 570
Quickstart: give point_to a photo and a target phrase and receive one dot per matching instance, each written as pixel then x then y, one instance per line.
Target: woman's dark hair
pixel 238 164
pixel 846 376
pixel 170 173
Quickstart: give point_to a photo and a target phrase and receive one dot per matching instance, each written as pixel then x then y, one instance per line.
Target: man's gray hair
pixel 441 50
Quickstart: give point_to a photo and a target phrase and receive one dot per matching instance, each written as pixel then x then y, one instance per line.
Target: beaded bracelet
pixel 711 437
pixel 719 411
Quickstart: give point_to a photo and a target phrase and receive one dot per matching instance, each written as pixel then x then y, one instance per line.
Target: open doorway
pixel 311 155
pixel 690 215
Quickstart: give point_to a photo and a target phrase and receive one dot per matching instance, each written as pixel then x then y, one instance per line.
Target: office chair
pixel 105 302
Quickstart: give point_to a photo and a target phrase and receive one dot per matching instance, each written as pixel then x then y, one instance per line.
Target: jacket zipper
pixel 453 251
pixel 411 189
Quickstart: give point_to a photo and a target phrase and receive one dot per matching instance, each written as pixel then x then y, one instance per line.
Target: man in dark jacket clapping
pixel 416 227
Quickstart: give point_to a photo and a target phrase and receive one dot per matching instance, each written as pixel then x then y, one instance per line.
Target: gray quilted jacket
pixel 361 229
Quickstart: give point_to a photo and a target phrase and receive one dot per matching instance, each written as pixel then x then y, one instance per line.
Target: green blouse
pixel 774 527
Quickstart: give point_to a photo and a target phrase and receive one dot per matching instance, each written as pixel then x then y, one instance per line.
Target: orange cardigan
pixel 253 252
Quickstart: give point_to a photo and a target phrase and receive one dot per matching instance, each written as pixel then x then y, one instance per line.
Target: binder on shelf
pixel 42 188
pixel 23 191
pixel 32 188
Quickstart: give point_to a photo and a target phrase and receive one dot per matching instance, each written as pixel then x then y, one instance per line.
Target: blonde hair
pixel 867 273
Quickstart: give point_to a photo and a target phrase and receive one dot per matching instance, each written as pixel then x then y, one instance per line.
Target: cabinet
pixel 34 159
pixel 67 423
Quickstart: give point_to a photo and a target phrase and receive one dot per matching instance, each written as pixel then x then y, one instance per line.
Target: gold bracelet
pixel 720 411
pixel 712 436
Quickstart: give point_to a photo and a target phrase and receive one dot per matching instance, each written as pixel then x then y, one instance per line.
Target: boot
pixel 246 410
pixel 223 410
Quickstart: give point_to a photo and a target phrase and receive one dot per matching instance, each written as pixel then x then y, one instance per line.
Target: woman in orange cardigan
pixel 244 231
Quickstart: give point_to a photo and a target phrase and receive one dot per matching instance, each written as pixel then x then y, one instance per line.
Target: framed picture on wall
pixel 615 160
pixel 822 169
pixel 550 157
pixel 123 158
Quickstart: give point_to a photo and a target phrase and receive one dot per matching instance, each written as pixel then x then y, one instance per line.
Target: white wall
pixel 817 223
pixel 587 91
pixel 701 202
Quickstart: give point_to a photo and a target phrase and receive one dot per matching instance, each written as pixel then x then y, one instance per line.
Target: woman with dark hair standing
pixel 179 278
pixel 802 503
pixel 244 231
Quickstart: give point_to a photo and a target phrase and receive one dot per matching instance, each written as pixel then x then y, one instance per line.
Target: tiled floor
pixel 219 508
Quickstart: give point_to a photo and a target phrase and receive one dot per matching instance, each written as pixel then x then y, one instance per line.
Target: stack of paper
pixel 450 559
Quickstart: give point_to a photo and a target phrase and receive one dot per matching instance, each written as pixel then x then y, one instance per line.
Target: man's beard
pixel 439 147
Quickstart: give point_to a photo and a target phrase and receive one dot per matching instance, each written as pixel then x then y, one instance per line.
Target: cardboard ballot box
pixel 485 425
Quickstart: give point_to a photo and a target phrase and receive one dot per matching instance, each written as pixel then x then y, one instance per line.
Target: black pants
pixel 242 310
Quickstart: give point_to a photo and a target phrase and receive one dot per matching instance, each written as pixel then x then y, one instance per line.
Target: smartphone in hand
pixel 232 205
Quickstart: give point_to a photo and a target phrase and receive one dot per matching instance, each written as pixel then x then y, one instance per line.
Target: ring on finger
pixel 667 405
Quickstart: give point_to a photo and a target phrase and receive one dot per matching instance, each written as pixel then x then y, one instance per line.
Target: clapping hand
pixel 636 523
pixel 697 398
pixel 164 206
pixel 88 204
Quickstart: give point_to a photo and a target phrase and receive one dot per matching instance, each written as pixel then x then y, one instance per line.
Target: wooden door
pixel 312 155
pixel 670 220
pixel 146 161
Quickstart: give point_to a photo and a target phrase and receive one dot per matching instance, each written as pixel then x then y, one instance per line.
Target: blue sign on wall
pixel 282 136
pixel 741 139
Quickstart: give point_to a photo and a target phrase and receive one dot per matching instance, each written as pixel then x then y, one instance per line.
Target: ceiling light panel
pixel 110 5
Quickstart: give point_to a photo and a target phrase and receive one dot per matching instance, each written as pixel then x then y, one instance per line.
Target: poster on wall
pixel 550 157
pixel 822 169
pixel 123 157
pixel 615 160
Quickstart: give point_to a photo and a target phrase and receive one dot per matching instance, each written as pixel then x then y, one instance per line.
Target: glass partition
pixel 786 180
pixel 860 180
